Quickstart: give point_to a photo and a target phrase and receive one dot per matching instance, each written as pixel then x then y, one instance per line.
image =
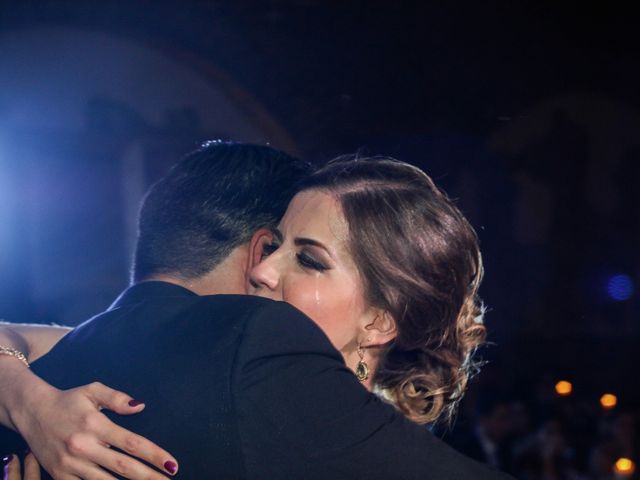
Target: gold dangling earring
pixel 362 369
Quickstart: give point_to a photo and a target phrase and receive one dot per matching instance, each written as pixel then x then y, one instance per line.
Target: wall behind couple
pixel 527 113
pixel 88 121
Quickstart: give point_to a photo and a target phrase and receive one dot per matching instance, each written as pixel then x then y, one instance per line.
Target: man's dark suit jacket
pixel 239 387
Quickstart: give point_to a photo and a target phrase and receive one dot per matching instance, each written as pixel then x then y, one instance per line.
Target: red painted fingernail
pixel 134 403
pixel 170 467
pixel 6 460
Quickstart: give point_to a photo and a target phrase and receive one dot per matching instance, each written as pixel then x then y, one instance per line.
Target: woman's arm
pixel 32 340
pixel 15 378
pixel 66 431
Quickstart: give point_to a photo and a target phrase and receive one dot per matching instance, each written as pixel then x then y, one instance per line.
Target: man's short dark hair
pixel 210 202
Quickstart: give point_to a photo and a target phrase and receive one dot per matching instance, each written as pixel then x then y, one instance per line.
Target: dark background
pixel 527 112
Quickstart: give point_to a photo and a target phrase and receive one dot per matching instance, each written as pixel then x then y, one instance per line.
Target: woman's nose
pixel 265 275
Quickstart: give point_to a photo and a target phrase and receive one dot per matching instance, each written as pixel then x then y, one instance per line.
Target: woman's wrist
pixel 20 387
pixel 12 352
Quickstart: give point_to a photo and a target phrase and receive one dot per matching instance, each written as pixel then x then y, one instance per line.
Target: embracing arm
pixel 32 340
pixel 65 428
pixel 15 378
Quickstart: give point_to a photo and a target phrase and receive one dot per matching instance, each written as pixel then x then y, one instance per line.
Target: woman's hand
pixel 71 438
pixel 12 470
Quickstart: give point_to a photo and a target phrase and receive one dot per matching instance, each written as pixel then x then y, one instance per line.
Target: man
pixel 236 386
pixel 487 440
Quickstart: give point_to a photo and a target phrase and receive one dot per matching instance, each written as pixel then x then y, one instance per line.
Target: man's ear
pixel 380 328
pixel 262 237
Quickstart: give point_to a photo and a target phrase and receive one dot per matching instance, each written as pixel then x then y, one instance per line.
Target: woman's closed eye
pixel 307 261
pixel 268 249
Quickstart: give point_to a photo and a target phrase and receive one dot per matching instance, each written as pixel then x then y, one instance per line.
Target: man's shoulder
pixel 258 313
pixel 274 328
pixel 273 324
pixel 234 302
pixel 262 313
pixel 163 311
pixel 153 318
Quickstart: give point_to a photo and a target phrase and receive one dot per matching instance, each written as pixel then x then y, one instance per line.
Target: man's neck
pixel 199 286
pixel 169 279
pixel 226 278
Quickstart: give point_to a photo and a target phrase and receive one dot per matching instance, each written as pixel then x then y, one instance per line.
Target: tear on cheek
pixel 316 293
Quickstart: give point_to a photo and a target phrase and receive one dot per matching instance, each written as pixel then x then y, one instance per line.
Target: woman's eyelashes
pixel 303 258
pixel 307 261
pixel 269 248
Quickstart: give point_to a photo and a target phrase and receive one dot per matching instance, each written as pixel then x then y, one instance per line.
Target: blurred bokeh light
pixel 608 401
pixel 624 467
pixel 564 388
pixel 620 287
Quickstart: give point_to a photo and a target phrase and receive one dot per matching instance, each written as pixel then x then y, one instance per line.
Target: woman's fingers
pixel 87 456
pixel 72 468
pixel 81 436
pixel 113 400
pixel 11 468
pixel 140 447
pixel 134 445
pixel 31 468
pixel 128 442
pixel 88 471
pixel 123 465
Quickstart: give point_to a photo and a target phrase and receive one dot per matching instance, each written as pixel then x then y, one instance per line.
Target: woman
pixel 389 268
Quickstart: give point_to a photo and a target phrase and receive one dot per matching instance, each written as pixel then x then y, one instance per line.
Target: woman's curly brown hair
pixel 419 260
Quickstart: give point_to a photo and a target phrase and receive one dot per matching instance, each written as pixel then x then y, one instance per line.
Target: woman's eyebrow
pixel 301 241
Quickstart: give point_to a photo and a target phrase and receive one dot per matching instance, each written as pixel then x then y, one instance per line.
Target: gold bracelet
pixel 12 352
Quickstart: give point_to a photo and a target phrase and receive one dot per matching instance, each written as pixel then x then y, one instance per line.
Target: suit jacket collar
pixel 145 290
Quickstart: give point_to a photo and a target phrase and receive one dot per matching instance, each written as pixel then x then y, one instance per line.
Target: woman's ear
pixel 380 329
pixel 262 237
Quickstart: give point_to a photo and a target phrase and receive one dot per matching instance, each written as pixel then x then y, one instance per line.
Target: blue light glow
pixel 620 287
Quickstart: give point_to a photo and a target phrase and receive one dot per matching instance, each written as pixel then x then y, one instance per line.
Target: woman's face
pixel 309 266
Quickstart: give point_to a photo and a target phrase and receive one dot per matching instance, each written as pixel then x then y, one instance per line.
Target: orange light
pixel 624 466
pixel 608 401
pixel 564 388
